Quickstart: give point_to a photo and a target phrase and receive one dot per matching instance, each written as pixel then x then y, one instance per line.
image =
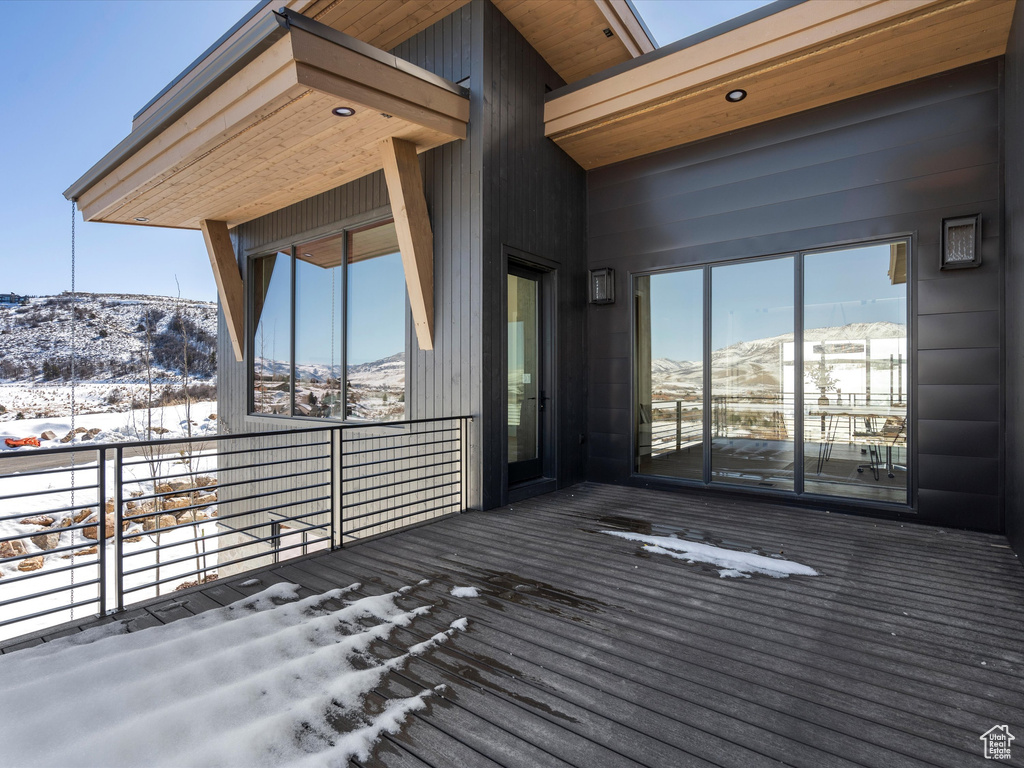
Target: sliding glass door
pixel 856 372
pixel 751 410
pixel 788 373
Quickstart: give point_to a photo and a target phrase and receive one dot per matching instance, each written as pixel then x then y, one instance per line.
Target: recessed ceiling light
pixel 343 111
pixel 738 95
pixel 143 219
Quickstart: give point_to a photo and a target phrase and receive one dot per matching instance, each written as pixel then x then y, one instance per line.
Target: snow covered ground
pixel 268 681
pixel 730 563
pixel 25 496
pixel 168 422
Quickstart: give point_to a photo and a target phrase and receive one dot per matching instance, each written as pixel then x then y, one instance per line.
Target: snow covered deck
pixel 587 649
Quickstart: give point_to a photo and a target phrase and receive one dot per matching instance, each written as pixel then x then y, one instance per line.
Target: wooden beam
pixel 229 280
pixel 415 238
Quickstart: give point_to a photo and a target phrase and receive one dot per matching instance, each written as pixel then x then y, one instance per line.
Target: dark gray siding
pixel 506 185
pixel 534 200
pixel 1013 175
pixel 895 162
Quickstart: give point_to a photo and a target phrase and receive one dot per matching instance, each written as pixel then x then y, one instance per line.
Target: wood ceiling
pixel 267 137
pixel 812 54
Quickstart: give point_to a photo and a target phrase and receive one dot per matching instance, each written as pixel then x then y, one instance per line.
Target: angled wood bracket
pixel 229 280
pixel 415 238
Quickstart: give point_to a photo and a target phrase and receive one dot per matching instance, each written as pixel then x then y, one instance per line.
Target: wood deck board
pixel 611 656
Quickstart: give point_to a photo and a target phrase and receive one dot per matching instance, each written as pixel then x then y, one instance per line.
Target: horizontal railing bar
pixel 372 488
pixel 170 494
pixel 368 438
pixel 386 510
pixel 403 458
pixel 217 534
pixel 222 470
pixel 390 472
pixel 404 446
pixel 54 591
pixel 48 611
pixel 400 517
pixel 269 553
pixel 45 492
pixel 196 556
pixel 216 453
pixel 425 489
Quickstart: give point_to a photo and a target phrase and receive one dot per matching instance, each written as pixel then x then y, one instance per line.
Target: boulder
pixel 179 485
pixel 163 488
pixel 131 504
pixel 167 521
pixel 212 417
pixel 83 515
pixel 159 430
pixel 204 481
pixel 92 533
pixel 175 502
pixel 49 540
pixel 31 563
pixel 207 500
pixel 43 520
pixel 79 553
pixel 48 435
pixel 14 548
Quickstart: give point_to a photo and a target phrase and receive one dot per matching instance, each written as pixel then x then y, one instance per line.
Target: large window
pixel 328 330
pixel 786 373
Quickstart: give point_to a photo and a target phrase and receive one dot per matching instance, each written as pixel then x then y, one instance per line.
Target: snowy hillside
pixel 122 342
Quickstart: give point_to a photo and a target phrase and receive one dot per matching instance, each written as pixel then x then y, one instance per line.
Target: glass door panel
pixel 752 411
pixel 856 372
pixel 669 326
pixel 524 396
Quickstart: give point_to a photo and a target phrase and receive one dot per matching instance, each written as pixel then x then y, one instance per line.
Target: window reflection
pixel 271 342
pixel 375 338
pixel 856 372
pixel 752 413
pixel 318 328
pixel 670 374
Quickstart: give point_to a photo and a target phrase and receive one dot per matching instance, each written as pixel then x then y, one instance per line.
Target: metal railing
pixel 86 530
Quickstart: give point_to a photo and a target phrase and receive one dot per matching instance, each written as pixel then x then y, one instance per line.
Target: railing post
pixel 101 525
pixel 337 520
pixel 679 424
pixel 118 540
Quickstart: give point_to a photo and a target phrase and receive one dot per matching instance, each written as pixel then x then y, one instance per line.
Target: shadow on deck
pixel 584 650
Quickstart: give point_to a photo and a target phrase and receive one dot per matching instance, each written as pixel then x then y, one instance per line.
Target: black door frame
pixel 545 272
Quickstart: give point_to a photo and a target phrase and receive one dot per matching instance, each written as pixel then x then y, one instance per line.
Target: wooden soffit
pixel 814 53
pixel 267 136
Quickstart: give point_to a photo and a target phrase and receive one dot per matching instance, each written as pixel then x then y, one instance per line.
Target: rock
pixel 212 417
pixel 14 548
pixel 47 540
pixel 93 432
pixel 31 563
pixel 71 435
pixel 43 520
pixel 87 551
pixel 48 435
pixel 109 506
pixel 92 533
pixel 159 430
pixel 207 500
pixel 167 521
pixel 83 514
pixel 175 502
pixel 180 485
pixel 131 504
pixel 204 481
pixel 163 488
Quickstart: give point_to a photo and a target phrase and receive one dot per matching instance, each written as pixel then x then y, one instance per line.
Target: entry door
pixel 526 399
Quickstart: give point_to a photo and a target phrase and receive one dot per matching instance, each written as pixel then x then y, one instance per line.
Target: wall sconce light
pixel 960 237
pixel 602 286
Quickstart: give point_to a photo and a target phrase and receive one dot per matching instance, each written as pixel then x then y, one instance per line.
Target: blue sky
pixel 76 72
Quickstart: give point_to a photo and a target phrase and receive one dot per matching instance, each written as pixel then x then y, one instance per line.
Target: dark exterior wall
pixel 892 163
pixel 505 185
pixel 1013 175
pixel 534 200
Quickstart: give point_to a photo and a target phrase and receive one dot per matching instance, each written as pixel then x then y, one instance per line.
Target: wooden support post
pixel 415 238
pixel 229 280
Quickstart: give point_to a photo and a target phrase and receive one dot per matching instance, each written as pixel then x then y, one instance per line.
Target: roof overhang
pixel 798 58
pixel 256 131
